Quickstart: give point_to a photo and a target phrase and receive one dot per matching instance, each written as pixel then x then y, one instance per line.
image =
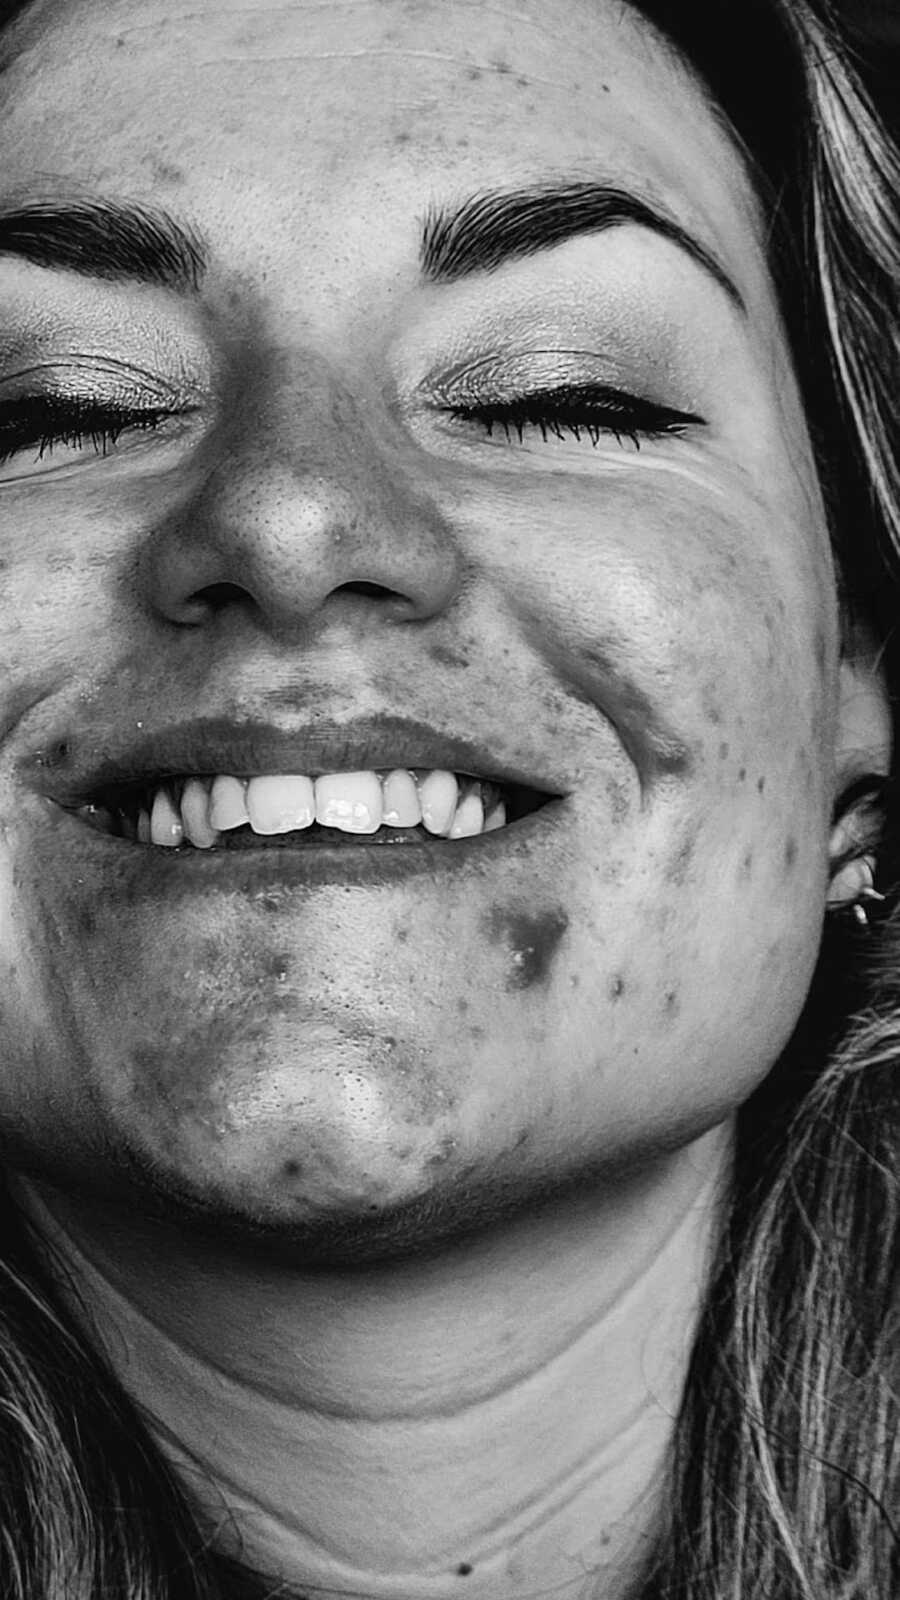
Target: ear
pixel 862 757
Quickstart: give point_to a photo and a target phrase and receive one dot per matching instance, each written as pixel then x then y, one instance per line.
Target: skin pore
pixel 391 1201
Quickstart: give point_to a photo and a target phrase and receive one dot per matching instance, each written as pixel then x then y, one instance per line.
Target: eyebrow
pixel 104 239
pixel 494 227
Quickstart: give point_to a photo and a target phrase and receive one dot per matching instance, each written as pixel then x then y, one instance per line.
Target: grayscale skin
pixel 370 1063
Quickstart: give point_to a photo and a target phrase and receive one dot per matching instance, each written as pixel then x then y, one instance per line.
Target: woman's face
pixel 382 481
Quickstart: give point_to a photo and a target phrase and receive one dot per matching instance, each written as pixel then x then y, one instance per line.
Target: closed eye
pixel 578 411
pixel 54 424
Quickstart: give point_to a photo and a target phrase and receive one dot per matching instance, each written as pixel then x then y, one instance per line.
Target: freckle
pixel 617 988
pixel 760 785
pixel 790 853
pixel 723 751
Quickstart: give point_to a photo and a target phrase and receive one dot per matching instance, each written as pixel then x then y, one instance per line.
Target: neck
pixel 500 1413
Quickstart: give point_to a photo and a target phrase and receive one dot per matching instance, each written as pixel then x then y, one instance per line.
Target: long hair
pixel 784 1477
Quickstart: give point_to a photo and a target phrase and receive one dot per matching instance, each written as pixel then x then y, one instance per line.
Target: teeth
pixel 469 818
pixel 195 815
pixel 351 801
pixel 401 800
pixel 280 804
pixel 495 818
pixel 228 804
pixel 166 827
pixel 438 796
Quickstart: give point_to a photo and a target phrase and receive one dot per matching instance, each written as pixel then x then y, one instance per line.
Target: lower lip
pixel 351 862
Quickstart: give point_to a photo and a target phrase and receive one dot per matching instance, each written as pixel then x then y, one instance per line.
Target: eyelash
pixel 576 410
pixel 49 420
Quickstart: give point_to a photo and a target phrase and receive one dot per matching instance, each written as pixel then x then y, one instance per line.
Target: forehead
pixel 339 108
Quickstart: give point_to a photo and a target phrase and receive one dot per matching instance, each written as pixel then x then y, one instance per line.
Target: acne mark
pixel 680 865
pixel 447 658
pixel 291 1169
pixel 790 854
pixel 462 1007
pixel 523 83
pixel 464 1569
pixel 673 1003
pixel 501 66
pixel 742 775
pixel 617 988
pixel 473 74
pixel 532 942
pixel 760 785
pixel 402 936
pixel 747 865
pixel 724 748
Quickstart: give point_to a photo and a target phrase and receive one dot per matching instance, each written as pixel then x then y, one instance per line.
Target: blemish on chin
pixel 790 854
pixel 531 940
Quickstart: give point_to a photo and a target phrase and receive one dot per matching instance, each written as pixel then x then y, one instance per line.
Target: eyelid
pixel 501 376
pixel 80 379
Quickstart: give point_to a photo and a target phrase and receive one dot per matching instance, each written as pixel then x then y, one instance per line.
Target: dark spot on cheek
pixel 462 1007
pixel 760 785
pixel 680 865
pixel 291 1169
pixel 447 658
pixel 617 988
pixel 464 1569
pixel 473 74
pixel 673 1004
pixel 723 750
pixel 401 138
pixel 532 942
pixel 747 865
pixel 742 775
pixel 790 854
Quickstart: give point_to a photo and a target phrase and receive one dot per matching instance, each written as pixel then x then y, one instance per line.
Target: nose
pixel 305 510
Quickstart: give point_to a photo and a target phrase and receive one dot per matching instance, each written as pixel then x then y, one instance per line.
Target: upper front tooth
pixel 228 803
pixel 401 800
pixel 438 795
pixel 279 804
pixel 351 801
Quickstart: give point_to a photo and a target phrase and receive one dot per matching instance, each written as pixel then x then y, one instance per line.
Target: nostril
pixel 216 596
pixel 377 590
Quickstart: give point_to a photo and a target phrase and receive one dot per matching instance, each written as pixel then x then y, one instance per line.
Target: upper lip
pixel 76 771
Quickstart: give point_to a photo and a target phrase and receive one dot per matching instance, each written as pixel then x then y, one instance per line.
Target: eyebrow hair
pixel 496 226
pixel 104 239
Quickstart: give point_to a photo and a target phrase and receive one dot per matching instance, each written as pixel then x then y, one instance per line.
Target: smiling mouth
pixel 402 806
